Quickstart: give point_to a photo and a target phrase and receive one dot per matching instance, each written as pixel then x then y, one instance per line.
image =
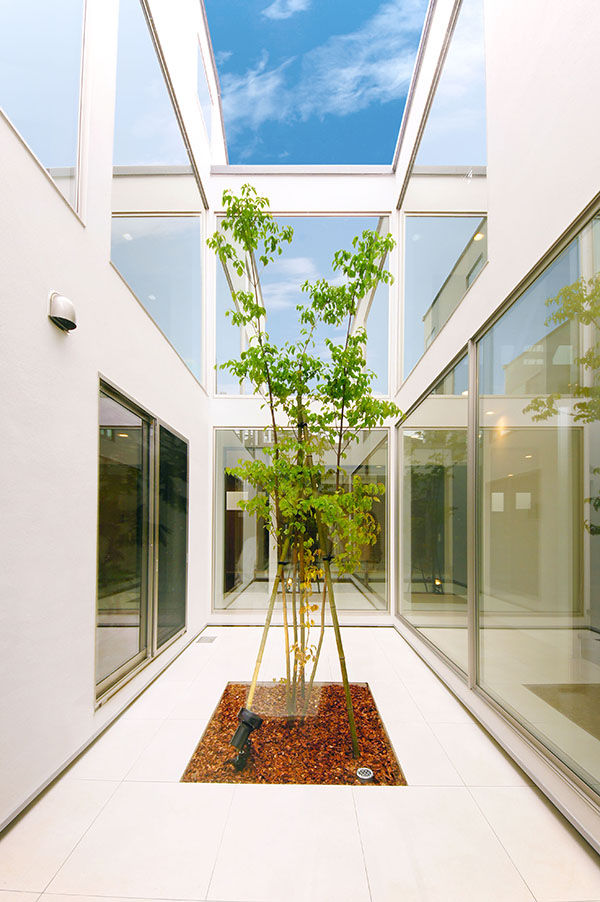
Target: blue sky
pixel 314 81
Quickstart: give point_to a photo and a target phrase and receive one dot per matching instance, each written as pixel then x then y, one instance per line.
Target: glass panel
pixel 455 132
pixel 40 72
pixel 146 128
pixel 172 535
pixel 316 239
pixel 122 538
pixel 204 95
pixel 434 516
pixel 443 256
pixel 245 555
pixel 159 258
pixel 539 441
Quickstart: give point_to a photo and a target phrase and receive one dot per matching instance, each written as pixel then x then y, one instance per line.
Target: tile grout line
pixel 491 826
pixel 119 783
pixel 85 832
pixel 362 848
pixel 225 823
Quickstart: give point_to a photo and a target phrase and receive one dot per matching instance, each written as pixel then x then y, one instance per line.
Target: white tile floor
pixel 469 826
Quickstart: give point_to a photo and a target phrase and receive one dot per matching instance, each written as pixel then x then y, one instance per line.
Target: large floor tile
pixel 58 897
pixel 10 896
pixel 394 702
pixel 292 843
pixel 199 700
pixel 167 755
pixel 476 757
pixel 151 841
pixel 421 755
pixel 436 703
pixel 433 845
pixel 556 862
pixel 112 755
pixel 34 848
pixel 157 702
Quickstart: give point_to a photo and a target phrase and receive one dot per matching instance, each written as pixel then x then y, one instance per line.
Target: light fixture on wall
pixel 62 312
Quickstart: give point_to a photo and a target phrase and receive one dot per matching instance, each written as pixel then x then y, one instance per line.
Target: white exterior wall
pixel 49 452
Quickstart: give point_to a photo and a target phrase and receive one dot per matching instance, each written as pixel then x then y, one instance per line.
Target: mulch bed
pixel 314 749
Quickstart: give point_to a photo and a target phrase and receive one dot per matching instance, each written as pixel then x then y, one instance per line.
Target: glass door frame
pixel 105 688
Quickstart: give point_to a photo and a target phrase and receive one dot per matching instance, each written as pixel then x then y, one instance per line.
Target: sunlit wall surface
pixel 40 74
pixel 539 459
pixel 245 555
pixel 204 95
pixel 434 516
pixel 309 257
pixel 455 133
pixel 443 255
pixel 160 259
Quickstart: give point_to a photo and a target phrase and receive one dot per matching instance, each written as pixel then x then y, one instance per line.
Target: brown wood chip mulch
pixel 316 749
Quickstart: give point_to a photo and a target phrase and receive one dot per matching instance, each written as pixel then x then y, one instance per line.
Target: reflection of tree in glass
pixel 579 303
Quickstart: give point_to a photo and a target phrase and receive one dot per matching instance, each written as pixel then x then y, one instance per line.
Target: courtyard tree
pixel 317 404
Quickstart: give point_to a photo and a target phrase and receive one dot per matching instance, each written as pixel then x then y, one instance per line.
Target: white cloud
pixel 255 97
pixel 282 290
pixel 346 73
pixel 283 9
pixel 371 65
pixel 222 56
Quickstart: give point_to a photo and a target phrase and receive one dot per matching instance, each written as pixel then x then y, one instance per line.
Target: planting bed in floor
pixel 312 749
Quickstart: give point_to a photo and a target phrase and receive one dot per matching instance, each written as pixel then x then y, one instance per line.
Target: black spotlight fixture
pixel 248 722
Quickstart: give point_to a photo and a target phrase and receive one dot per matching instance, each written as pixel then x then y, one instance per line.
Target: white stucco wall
pixel 49 451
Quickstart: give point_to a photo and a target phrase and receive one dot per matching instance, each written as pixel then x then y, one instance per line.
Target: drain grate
pixel 205 639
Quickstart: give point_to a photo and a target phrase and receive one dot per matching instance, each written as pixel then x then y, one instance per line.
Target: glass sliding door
pixel 539 654
pixel 142 539
pixel 245 555
pixel 434 516
pixel 172 535
pixel 123 531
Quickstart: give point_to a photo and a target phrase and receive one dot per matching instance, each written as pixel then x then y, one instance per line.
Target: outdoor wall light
pixel 62 312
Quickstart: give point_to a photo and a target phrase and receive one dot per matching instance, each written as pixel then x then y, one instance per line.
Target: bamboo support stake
pixel 318 651
pixel 342 657
pixel 286 641
pixel 263 640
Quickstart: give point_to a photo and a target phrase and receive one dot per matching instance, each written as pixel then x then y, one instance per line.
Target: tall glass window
pixel 455 132
pixel 245 553
pixel 443 255
pixel 40 74
pixel 160 259
pixel 316 239
pixel 172 535
pixel 142 539
pixel 123 522
pixel 146 128
pixel 434 516
pixel 539 459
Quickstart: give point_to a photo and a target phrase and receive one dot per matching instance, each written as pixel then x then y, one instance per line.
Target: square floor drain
pixel 205 639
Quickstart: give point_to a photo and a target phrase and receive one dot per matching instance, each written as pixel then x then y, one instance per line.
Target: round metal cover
pixel 364 774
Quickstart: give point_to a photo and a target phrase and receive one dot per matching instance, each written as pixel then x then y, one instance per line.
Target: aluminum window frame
pixel 107 687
